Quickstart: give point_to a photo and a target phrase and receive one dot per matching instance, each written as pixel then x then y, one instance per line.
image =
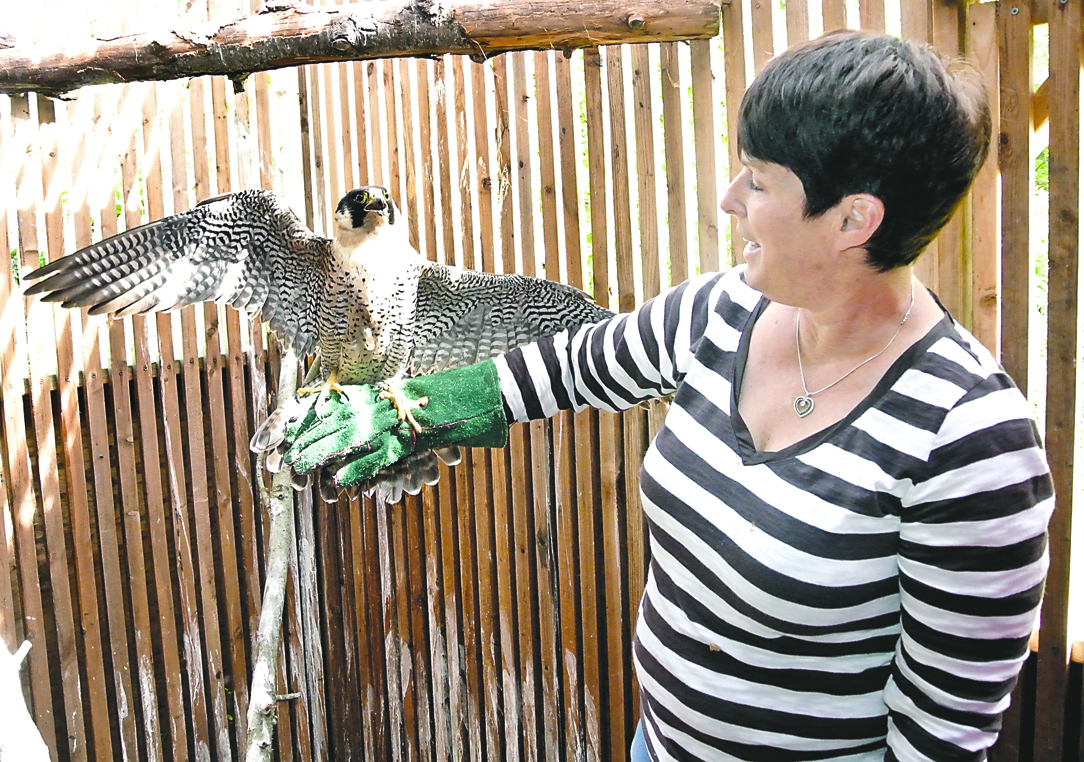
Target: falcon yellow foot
pixel 332 383
pixel 403 404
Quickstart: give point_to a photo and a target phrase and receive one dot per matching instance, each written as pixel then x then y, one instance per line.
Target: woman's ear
pixel 862 216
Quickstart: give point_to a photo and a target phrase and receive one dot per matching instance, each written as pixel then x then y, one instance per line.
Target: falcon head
pixel 366 209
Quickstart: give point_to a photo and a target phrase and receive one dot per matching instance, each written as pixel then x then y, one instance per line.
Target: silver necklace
pixel 803 403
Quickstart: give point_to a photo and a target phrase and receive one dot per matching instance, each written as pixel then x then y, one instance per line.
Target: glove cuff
pixel 465 407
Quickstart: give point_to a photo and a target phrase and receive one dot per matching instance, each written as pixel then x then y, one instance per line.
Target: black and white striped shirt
pixel 864 594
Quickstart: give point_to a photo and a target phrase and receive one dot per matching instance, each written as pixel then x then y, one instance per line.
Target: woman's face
pixel 787 255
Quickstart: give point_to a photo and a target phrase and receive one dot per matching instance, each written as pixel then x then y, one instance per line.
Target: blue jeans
pixel 638 750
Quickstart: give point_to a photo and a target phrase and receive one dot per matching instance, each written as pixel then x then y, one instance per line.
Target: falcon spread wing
pixel 466 316
pixel 246 249
pixel 373 306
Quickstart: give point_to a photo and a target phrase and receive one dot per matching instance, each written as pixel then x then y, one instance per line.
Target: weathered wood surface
pixel 290 34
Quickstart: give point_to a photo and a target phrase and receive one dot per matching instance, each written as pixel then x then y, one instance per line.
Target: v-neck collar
pixel 751 456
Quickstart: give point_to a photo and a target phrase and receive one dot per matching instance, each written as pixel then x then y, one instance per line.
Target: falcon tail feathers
pixel 271 432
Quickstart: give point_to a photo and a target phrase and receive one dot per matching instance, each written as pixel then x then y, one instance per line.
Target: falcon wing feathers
pixel 466 316
pixel 246 249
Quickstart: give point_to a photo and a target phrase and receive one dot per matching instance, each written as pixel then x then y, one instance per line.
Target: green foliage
pixel 15 266
pixel 1042 170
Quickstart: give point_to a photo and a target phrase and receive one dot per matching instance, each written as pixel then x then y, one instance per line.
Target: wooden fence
pixel 491 617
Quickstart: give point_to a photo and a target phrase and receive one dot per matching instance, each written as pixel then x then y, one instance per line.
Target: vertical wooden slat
pixel 570 192
pixel 42 414
pixel 472 666
pixel 391 127
pixel 154 492
pixel 438 656
pixel 468 600
pixel 14 463
pixel 1014 160
pixel 916 20
pixel 312 663
pixel 66 331
pixel 672 128
pixel 377 165
pixel 354 668
pixel 497 633
pixel 414 691
pixel 564 550
pixel 427 175
pixel 834 14
pixel 457 702
pixel 463 162
pixel 447 487
pixel 635 421
pixel 329 574
pixel 982 51
pixel 377 698
pixel 950 254
pixel 621 183
pixel 400 660
pixel 707 187
pixel 733 88
pixel 588 489
pixel 299 583
pixel 407 87
pixel 550 162
pixel 538 682
pixel 797 21
pixel 368 701
pixel 763 39
pixel 179 474
pixel 200 481
pixel 544 113
pixel 126 462
pixel 1062 346
pixel 110 548
pixel 420 673
pixel 225 376
pixel 871 15
pixel 490 693
pixel 646 194
pixel 611 445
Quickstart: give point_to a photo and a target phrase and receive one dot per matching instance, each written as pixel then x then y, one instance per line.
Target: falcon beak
pixel 375 203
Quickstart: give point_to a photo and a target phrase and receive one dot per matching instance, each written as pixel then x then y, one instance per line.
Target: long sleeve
pixel 615 364
pixel 972 560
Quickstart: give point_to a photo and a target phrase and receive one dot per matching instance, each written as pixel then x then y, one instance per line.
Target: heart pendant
pixel 803 405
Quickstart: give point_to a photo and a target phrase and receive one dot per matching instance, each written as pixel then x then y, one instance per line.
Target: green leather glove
pixel 360 434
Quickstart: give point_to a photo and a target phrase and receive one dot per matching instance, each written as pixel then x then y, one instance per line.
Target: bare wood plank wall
pixel 492 616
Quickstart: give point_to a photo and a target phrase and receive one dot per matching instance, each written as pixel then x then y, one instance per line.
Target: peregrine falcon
pixel 373 308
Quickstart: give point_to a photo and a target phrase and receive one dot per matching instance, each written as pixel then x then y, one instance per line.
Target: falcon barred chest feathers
pixel 365 301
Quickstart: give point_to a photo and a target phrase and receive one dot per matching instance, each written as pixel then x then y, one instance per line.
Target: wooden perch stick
pixel 279 502
pixel 289 34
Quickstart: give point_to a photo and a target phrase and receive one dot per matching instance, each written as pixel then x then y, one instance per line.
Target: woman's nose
pixel 730 203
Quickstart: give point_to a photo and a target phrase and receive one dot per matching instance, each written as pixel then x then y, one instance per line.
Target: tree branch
pixel 290 34
pixel 279 502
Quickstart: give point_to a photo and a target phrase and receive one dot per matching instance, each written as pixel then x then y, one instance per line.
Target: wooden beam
pixel 286 34
pixel 1052 668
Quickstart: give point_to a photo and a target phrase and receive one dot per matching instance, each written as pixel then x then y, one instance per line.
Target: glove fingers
pixel 362 469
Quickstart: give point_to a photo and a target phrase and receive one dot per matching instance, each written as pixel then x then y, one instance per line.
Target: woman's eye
pixel 752 184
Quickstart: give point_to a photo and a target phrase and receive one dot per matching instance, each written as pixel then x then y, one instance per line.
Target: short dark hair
pixel 856 112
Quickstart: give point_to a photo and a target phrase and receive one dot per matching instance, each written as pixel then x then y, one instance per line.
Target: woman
pixel 848 500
